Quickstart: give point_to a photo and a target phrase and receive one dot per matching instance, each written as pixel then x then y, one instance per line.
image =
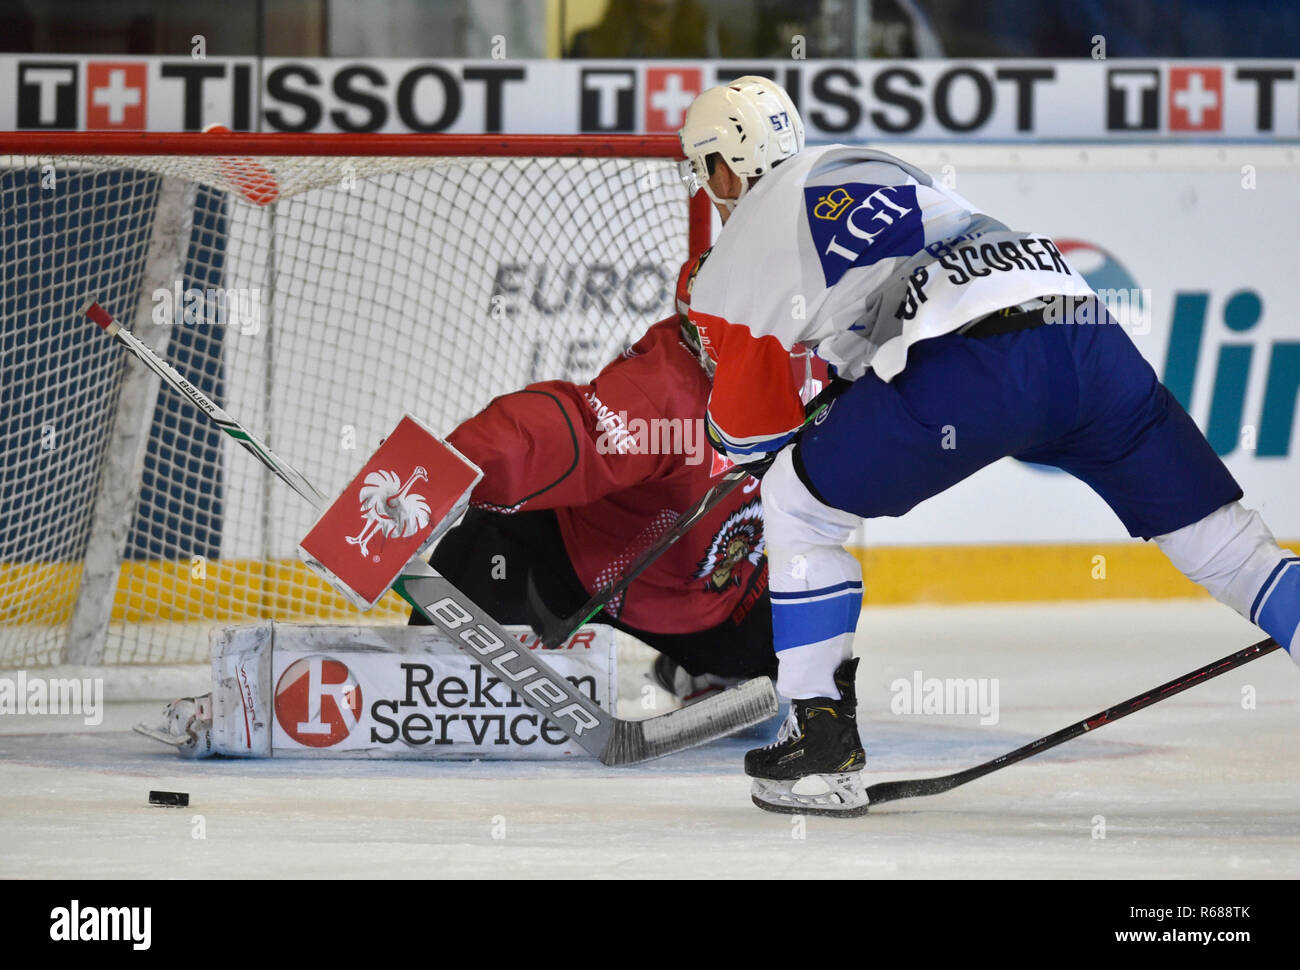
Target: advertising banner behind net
pixel 1189 247
pixel 1002 100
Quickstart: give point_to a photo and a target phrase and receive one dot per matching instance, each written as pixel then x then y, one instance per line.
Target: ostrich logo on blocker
pixel 390 508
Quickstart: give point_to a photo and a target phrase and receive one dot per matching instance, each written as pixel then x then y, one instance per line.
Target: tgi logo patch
pixel 857 225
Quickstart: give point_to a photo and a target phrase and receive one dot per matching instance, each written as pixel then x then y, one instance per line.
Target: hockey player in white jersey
pixel 938 321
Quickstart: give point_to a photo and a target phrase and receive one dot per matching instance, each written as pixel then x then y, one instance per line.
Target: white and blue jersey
pixel 873 256
pixel 896 282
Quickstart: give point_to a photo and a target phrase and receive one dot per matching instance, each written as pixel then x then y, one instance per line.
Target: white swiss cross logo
pixel 1195 99
pixel 669 92
pixel 116 95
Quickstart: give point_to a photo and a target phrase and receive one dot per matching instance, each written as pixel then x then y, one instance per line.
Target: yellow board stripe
pixel 232 590
pixel 1021 573
pixel 248 589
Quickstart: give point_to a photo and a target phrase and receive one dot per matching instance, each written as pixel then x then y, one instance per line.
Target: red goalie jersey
pixel 618 460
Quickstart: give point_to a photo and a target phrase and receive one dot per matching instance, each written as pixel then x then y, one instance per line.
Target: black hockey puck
pixel 169 799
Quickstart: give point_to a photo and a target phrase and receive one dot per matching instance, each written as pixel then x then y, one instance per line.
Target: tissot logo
pixel 1195 99
pixel 116 95
pixel 1133 99
pixel 668 93
pixel 47 94
pixel 607 100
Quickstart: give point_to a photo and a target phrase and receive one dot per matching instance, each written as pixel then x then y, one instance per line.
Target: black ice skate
pixel 815 765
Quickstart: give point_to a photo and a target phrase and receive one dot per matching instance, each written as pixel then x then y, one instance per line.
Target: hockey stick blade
pixel 615 741
pixel 742 706
pixel 889 791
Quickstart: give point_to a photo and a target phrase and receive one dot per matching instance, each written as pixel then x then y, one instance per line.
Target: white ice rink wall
pixel 1189 243
pixel 1196 239
pixel 1187 205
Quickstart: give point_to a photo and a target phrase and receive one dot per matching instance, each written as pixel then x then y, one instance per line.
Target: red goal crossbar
pixel 280 143
pixel 360 145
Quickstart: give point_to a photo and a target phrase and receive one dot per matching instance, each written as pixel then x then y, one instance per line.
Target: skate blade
pixel 794 810
pixel 843 796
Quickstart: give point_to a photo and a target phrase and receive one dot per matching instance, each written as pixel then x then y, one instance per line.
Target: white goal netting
pixel 317 299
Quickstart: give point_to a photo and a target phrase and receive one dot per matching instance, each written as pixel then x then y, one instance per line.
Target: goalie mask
pixel 691 333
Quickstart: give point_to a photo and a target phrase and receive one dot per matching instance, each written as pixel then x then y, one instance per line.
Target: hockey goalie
pixel 577 480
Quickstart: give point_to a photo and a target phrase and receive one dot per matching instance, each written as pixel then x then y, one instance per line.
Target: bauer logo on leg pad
pixel 407 494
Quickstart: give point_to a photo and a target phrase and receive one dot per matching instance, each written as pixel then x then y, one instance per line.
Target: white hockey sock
pixel 809 671
pixel 816 584
pixel 1233 555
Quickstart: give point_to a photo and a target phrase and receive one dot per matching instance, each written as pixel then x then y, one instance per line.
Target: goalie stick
pixel 889 791
pixel 613 740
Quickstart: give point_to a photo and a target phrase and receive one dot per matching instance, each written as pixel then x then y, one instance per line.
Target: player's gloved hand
pixel 756 463
pixel 828 394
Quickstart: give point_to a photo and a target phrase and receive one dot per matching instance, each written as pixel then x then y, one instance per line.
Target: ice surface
pixel 1204 784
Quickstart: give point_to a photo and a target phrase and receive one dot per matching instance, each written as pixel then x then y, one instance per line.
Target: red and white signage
pixel 317 701
pixel 389 692
pixel 669 91
pixel 1073 99
pixel 1196 99
pixel 117 95
pixel 408 493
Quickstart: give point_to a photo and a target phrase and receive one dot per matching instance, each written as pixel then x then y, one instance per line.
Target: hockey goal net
pixel 317 288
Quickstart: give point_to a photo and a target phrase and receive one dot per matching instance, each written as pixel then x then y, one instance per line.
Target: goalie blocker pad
pixel 409 492
pixel 295 691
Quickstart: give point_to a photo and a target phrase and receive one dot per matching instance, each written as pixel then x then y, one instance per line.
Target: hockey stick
pixel 611 739
pixel 556 630
pixel 219 417
pixel 888 791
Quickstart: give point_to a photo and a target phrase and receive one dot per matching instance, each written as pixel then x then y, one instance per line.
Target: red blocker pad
pixel 408 493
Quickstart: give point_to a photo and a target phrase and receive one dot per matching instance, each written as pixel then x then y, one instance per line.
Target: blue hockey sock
pixel 1276 609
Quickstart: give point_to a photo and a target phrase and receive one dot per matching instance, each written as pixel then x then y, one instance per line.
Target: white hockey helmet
pixel 751 122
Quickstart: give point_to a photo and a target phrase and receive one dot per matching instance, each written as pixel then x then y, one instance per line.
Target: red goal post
pixel 316 286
